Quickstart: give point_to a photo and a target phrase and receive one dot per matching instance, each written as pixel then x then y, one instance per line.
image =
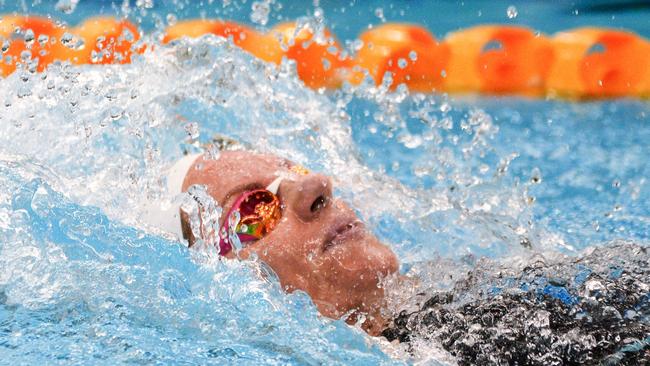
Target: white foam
pixel 166 217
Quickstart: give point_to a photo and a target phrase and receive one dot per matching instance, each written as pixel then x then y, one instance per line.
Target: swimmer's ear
pixel 186 229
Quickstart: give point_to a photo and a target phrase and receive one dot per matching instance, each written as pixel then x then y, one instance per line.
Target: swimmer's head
pixel 318 244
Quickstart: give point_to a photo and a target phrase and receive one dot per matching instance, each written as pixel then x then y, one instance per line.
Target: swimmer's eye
pixel 253 216
pixel 318 204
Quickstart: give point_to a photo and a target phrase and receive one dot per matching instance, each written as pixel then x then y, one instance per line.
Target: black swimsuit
pixel 589 310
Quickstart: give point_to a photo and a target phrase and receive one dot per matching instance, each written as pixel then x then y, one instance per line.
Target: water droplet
pixel 413 55
pixel 379 13
pixel 596 225
pixel 260 11
pixel 171 19
pixel 326 64
pixel 144 4
pixel 387 80
pixel 411 141
pixel 402 63
pixel 127 35
pixel 611 313
pixel 66 6
pixel 536 176
pixel 212 152
pixel 203 213
pixel 593 288
pixel 447 123
pixel 630 314
pixel 512 12
pixel 43 39
pixel 319 13
pixel 23 91
pixel 192 130
pixel 116 113
pixel 66 39
pixel 29 37
pixel 25 55
pixel 95 57
pixel 333 50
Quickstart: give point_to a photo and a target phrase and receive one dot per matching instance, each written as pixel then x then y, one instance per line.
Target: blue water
pixel 143 299
pixel 592 171
pixel 84 280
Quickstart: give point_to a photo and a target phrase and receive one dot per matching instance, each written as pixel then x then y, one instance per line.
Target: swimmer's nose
pixel 307 195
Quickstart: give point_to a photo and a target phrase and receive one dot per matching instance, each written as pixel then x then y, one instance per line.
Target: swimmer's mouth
pixel 342 232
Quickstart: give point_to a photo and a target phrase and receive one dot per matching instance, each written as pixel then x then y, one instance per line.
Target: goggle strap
pixel 274 186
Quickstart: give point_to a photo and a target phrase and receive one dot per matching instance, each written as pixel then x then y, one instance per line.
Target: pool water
pixel 439 178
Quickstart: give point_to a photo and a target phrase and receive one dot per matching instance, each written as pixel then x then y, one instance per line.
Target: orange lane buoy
pixel 409 52
pixel 498 59
pixel 101 40
pixel 319 60
pixel 593 62
pixel 244 37
pixel 19 23
pixel 645 88
pixel 27 39
pixel 190 28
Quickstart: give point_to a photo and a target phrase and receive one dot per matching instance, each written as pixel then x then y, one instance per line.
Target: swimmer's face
pixel 319 246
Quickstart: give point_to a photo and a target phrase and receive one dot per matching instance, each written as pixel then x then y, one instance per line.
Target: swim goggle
pixel 253 215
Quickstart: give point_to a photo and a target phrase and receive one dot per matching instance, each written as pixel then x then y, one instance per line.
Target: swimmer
pixel 312 241
pixel 315 243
